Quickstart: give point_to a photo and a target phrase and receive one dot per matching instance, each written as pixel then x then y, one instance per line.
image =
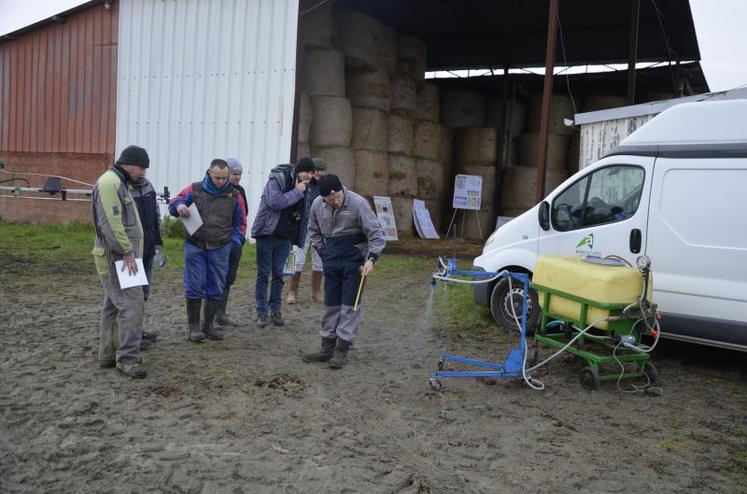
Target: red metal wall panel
pixel 58 85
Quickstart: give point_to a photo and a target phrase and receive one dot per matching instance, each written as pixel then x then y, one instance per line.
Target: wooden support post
pixel 633 52
pixel 552 33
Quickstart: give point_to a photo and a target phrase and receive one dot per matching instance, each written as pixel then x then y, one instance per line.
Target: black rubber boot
pixel 221 319
pixel 328 348
pixel 340 355
pixel 194 333
pixel 207 323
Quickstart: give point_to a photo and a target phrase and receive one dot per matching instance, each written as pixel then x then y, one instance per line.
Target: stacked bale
pixel 403 179
pixel 476 153
pixel 360 38
pixel 332 134
pixel 431 172
pixel 411 58
pixel 318 28
pixel 323 73
pixel 462 109
pixel 371 159
pixel 559 134
pixel 370 89
pixel 519 184
pixel 304 125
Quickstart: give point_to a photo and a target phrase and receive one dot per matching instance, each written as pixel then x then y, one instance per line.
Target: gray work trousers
pixel 125 307
pixel 341 321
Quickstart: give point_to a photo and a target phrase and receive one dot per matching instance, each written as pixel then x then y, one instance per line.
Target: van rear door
pixel 603 212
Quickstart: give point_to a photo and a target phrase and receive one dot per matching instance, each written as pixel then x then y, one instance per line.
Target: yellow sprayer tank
pixel 592 279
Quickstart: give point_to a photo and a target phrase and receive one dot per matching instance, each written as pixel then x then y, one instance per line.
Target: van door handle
pixel 635 240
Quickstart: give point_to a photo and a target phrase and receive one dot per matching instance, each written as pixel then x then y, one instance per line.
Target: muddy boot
pixel 221 319
pixel 328 348
pixel 132 368
pixel 316 286
pixel 293 290
pixel 209 316
pixel 340 355
pixel 194 334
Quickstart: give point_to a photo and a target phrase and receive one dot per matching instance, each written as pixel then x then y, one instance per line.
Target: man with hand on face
pixel 207 250
pixel 280 222
pixel 119 237
pixel 346 232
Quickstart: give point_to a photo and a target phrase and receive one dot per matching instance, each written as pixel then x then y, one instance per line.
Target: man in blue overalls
pixel 346 232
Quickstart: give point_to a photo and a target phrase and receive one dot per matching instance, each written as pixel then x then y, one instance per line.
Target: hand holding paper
pixel 127 278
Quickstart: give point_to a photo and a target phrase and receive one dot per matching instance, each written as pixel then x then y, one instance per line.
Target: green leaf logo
pixel 586 241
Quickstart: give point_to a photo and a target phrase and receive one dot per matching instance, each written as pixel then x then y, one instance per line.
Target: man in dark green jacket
pixel 119 237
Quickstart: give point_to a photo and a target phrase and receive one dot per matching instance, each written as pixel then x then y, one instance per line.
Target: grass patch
pixel 658 466
pixel 670 443
pixel 458 307
pixel 738 463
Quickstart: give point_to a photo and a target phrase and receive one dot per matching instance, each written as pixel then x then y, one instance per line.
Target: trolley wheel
pixel 589 378
pixel 650 370
pixel 435 384
pixel 441 365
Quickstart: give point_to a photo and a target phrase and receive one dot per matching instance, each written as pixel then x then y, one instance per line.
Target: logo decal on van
pixel 586 241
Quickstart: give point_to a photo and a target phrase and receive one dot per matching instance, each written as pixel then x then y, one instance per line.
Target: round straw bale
pixel 474 230
pixel 370 89
pixel 403 177
pixel 304 118
pixel 323 73
pixel 431 180
pixel 557 150
pixel 435 208
pixel 388 49
pixel 519 184
pixel 360 39
pixel 404 97
pixel 318 27
pixel 427 141
pixel 332 121
pixel 476 146
pixel 446 146
pixel 340 161
pixel 371 173
pixel 428 103
pixel 402 209
pixel 369 129
pixel 413 51
pixel 487 193
pixel 561 107
pixel 400 135
pixel 462 109
pixel 302 149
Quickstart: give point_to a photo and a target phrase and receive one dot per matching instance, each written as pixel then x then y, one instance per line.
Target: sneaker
pixel 132 368
pixel 262 320
pixel 277 319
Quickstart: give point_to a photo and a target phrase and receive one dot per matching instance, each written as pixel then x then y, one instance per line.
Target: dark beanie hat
pixel 134 155
pixel 305 165
pixel 329 184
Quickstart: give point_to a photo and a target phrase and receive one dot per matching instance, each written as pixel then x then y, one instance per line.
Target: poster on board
pixel 467 192
pixel 383 208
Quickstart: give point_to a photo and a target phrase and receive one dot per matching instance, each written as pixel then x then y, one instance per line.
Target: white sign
pixel 127 280
pixel 467 192
pixel 385 213
pixel 422 219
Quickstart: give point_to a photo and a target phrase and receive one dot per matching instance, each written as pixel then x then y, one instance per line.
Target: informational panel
pixel 383 207
pixel 422 219
pixel 467 192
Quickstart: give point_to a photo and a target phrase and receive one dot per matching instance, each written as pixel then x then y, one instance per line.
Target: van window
pixel 607 195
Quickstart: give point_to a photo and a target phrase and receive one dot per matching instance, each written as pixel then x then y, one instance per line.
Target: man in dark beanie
pixel 206 251
pixel 346 232
pixel 280 223
pixel 119 237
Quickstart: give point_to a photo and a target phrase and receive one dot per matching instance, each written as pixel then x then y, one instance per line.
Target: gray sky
pixel 720 27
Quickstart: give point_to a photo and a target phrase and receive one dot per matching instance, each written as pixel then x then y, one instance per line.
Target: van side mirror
pixel 544 215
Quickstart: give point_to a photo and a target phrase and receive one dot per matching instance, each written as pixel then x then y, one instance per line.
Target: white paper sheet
pixel 194 221
pixel 126 280
pixel 384 212
pixel 423 223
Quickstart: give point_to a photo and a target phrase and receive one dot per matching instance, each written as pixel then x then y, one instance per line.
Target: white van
pixel 674 190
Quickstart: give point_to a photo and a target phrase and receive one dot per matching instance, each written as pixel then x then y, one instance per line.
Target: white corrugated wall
pixel 204 79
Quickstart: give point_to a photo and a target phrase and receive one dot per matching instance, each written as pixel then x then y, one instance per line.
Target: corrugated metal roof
pixel 200 80
pixel 57 82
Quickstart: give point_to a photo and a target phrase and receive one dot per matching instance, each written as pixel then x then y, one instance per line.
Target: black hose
pixel 14 179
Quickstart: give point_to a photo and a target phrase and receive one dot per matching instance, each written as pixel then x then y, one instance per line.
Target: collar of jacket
pixel 278 173
pixel 122 174
pixel 209 187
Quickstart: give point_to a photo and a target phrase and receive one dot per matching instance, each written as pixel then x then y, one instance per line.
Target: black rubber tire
pixel 589 378
pixel 501 311
pixel 650 370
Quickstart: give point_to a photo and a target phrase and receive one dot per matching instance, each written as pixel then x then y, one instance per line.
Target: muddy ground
pixel 246 415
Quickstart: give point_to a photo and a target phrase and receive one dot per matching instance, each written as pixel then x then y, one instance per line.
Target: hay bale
pixel 462 109
pixel 402 209
pixel 388 49
pixel 404 97
pixel 557 150
pixel 370 89
pixel 513 213
pixel 413 52
pixel 340 161
pixel 435 208
pixel 403 177
pixel 318 27
pixel 519 184
pixel 323 73
pixel 561 107
pixel 427 140
pixel 369 129
pixel 446 147
pixel 431 179
pixel 428 103
pixel 303 149
pixel 487 173
pixel 332 121
pixel 472 229
pixel 476 146
pixel 371 173
pixel 360 39
pixel 494 115
pixel 596 102
pixel 304 118
pixel 400 135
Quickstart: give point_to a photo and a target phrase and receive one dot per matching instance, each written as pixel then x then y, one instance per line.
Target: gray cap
pixel 234 166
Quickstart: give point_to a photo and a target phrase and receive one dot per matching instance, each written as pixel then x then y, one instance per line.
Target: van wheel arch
pixel 500 301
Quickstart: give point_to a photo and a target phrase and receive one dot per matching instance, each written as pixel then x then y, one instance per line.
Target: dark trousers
pixel 148 265
pixel 272 254
pixel 233 264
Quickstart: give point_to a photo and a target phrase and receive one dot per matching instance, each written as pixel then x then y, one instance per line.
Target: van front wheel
pixel 502 299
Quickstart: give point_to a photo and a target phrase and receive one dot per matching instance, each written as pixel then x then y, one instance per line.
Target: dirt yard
pixel 246 415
